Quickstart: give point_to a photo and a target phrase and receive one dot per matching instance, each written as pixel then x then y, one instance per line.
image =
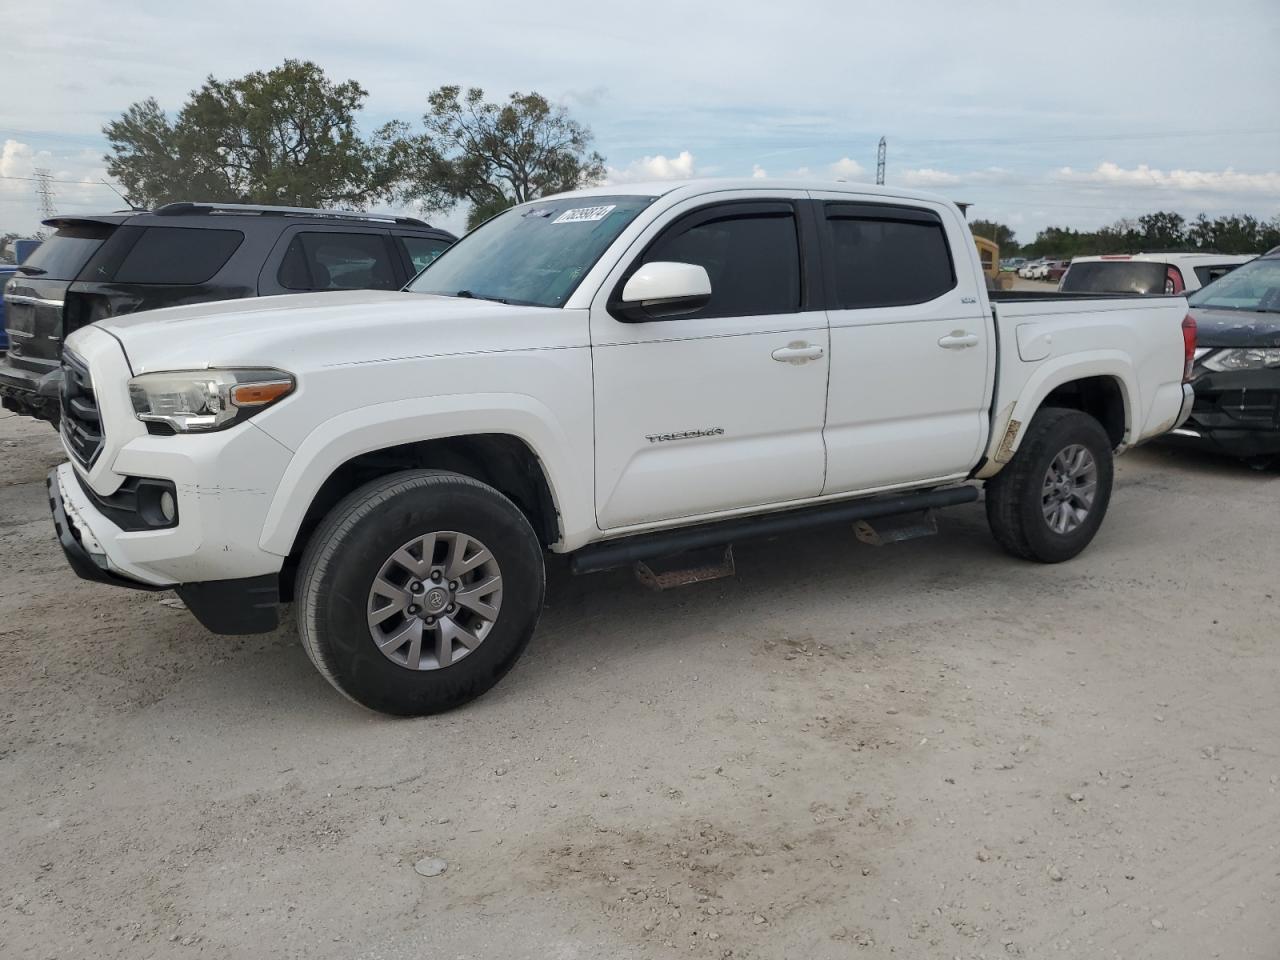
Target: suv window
pixel 1207 275
pixel 338 261
pixel 422 250
pixel 887 257
pixel 62 255
pixel 750 252
pixel 181 255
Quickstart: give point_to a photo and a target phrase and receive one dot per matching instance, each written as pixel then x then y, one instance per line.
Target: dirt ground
pixel 922 750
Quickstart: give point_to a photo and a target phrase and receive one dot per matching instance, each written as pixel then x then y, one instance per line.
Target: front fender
pixel 382 425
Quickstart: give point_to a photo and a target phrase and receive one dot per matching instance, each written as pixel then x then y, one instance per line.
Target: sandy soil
pixel 923 750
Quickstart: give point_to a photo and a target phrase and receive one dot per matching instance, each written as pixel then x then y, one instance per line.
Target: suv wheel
pixel 419 592
pixel 1049 500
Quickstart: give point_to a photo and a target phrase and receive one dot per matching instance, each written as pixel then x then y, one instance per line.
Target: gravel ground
pixel 922 750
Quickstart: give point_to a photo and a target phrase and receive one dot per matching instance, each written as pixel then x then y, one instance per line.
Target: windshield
pixel 1253 286
pixel 1115 276
pixel 534 254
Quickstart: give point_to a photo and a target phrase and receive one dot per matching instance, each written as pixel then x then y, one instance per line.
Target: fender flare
pixel 1048 377
pixel 382 425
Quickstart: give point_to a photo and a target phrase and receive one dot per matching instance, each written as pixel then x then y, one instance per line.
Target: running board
pixel 625 551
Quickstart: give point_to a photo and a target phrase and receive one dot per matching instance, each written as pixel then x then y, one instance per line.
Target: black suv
pixel 101 266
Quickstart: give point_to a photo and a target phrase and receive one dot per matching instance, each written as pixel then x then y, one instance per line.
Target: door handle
pixel 958 340
pixel 798 352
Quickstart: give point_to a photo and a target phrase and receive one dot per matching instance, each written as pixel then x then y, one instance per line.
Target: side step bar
pixel 624 551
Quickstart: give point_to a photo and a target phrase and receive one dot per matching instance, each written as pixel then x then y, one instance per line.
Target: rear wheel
pixel 419 592
pixel 1049 500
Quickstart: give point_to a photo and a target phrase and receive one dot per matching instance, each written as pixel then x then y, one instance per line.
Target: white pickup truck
pixel 618 374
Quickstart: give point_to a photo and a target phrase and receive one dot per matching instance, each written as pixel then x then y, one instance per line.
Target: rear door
pixel 35 298
pixel 912 357
pixel 720 408
pixel 318 257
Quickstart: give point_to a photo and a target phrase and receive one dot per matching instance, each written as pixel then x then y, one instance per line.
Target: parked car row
pixel 94 267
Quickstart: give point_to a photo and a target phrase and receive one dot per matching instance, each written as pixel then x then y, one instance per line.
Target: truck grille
pixel 81 422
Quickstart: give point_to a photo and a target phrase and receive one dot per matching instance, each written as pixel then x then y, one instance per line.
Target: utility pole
pixel 44 192
pixel 880 163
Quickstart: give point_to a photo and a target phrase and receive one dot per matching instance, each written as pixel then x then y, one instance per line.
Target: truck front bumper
pixel 95 549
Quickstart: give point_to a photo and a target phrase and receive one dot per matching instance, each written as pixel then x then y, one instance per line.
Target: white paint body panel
pixel 881 407
pixel 901 407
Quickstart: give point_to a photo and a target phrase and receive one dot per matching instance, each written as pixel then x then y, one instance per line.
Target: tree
pixel 1163 231
pixel 286 136
pixel 488 155
pixel 1001 234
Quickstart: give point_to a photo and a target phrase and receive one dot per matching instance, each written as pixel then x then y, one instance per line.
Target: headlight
pixel 1245 358
pixel 192 401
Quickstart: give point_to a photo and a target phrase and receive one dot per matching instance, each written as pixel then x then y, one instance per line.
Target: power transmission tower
pixel 44 191
pixel 880 163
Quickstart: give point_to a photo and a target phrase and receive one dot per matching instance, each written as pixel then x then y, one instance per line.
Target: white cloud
pixel 758 172
pixel 926 177
pixel 660 167
pixel 848 169
pixel 1196 181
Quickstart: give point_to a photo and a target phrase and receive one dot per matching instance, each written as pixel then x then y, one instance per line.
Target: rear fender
pixel 1010 421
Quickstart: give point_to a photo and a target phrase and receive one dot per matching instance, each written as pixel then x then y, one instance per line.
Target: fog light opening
pixel 168 508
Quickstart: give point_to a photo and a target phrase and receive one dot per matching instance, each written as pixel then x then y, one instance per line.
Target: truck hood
pixel 1236 328
pixel 305 331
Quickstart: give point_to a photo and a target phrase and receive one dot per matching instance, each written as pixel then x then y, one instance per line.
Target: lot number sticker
pixel 584 214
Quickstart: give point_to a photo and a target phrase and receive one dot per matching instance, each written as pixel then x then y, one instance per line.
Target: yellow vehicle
pixel 989 254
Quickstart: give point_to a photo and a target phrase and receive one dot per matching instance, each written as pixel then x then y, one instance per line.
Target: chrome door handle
pixel 958 340
pixel 798 352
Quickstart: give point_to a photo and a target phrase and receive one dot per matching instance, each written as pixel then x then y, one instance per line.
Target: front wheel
pixel 419 592
pixel 1049 500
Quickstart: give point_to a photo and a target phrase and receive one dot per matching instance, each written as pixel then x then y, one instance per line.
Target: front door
pixel 722 408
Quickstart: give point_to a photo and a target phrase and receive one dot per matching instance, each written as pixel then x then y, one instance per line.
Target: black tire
pixel 350 547
pixel 1015 505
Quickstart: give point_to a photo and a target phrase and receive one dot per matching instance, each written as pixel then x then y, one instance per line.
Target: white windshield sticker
pixel 584 214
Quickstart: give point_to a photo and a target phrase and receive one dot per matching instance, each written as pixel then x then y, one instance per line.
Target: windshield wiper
pixel 468 295
pixel 32 271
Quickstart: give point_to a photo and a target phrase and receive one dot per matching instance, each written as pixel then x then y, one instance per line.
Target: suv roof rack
pixel 266 210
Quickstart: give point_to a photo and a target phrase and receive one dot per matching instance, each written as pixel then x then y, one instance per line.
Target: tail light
pixel 1188 347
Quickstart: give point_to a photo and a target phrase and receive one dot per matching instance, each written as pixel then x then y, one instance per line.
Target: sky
pixel 1070 114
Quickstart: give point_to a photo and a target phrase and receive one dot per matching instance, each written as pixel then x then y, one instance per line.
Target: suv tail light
pixel 1188 347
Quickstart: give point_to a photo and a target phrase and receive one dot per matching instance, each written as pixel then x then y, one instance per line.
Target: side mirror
pixel 659 291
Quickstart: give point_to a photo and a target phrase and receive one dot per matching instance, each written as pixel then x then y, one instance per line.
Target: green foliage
pixel 1236 233
pixel 488 155
pixel 1001 234
pixel 286 136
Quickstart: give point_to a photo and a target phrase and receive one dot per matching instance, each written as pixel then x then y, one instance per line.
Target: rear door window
pixel 886 256
pixel 63 255
pixel 177 255
pixel 339 261
pixel 422 250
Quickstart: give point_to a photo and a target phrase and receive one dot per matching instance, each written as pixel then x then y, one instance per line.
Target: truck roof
pixel 701 185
